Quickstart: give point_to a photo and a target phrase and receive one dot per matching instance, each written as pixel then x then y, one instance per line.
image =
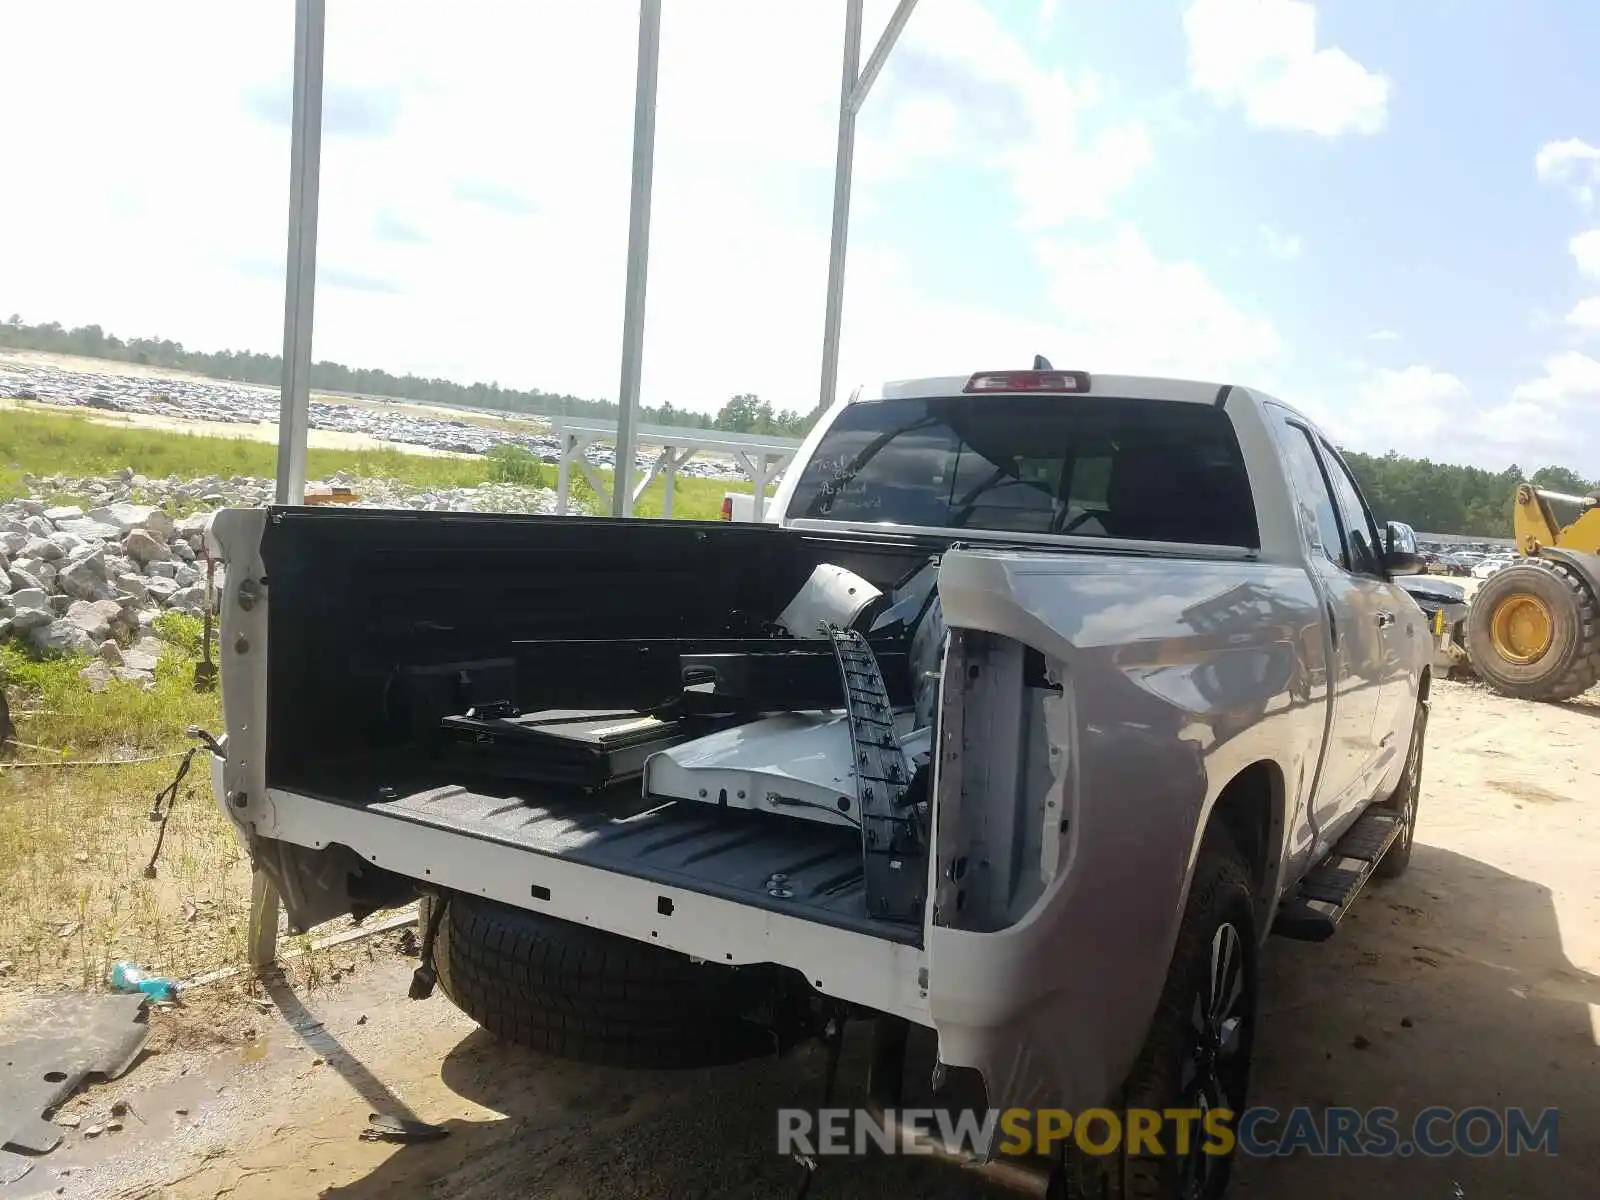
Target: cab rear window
pixel 1148 470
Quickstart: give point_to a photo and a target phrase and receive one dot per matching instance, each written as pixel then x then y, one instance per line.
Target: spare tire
pixel 589 996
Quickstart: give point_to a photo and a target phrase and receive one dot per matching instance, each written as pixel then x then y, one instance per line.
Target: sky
pixel 1387 214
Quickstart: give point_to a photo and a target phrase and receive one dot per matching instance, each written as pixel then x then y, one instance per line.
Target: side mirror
pixel 1400 553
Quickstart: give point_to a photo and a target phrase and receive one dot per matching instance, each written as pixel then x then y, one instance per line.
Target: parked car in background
pixel 1492 565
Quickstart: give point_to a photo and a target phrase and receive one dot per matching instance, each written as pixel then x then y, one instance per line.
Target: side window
pixel 1318 516
pixel 1361 537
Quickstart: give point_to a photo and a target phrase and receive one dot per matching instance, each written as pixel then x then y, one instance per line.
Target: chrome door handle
pixel 1385 619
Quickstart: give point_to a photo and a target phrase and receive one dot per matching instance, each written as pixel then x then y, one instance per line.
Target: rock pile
pixel 94 581
pixel 92 576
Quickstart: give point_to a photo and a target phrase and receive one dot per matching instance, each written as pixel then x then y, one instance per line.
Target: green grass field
pixel 74 839
pixel 63 444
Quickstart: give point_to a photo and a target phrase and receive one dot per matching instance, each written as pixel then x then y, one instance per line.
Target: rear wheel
pixel 1533 631
pixel 1198 1051
pixel 1403 803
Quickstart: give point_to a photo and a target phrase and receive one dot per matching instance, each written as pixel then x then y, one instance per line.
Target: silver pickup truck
pixel 1034 705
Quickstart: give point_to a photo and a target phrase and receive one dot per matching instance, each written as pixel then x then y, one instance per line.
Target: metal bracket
pixel 892 857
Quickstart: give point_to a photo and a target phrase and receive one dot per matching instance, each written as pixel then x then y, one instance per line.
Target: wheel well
pixel 1250 810
pixel 1426 684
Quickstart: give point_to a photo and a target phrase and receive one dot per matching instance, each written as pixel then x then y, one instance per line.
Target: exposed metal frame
pixel 760 458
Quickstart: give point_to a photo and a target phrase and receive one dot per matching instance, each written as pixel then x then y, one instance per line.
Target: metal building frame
pixel 305 172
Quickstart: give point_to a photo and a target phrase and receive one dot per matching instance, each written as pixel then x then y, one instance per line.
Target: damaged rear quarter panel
pixel 1177 675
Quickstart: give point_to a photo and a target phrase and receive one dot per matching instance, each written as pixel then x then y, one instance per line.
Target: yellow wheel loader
pixel 1533 630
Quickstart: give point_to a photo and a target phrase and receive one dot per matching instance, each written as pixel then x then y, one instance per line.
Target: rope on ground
pixel 89 762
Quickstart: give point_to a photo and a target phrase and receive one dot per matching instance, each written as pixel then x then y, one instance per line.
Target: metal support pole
pixel 880 53
pixel 644 150
pixel 300 272
pixel 261 936
pixel 844 161
pixel 853 89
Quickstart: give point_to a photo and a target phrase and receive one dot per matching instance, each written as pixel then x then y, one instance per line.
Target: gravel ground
pixel 1472 980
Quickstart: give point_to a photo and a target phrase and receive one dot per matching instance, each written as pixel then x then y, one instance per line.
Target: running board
pixel 1313 910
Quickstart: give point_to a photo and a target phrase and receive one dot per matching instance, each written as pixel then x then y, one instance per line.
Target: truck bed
pixel 720 852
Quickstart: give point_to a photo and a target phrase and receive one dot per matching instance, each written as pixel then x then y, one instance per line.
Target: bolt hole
pixel 664 906
pixel 55 1076
pixel 539 892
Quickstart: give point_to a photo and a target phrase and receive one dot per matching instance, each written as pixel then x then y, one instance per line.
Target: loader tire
pixel 1533 632
pixel 586 995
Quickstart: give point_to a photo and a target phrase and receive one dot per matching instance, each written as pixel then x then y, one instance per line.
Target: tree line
pixel 1432 497
pixel 744 413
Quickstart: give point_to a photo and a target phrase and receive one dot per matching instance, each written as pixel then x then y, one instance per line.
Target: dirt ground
pixel 1474 980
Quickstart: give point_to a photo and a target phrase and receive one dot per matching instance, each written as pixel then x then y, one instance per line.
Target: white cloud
pixel 1262 57
pixel 1585 250
pixel 1568 377
pixel 1410 409
pixel 1124 308
pixel 1585 315
pixel 1554 414
pixel 960 88
pixel 1383 335
pixel 475 194
pixel 1572 163
pixel 1284 246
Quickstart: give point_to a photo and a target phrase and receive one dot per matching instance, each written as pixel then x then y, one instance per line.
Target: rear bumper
pixel 863 969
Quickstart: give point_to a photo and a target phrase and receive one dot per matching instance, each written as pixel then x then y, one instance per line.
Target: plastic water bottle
pixel 126 977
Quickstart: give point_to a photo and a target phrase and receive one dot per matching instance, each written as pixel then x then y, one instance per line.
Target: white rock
pixel 128 517
pixel 189 600
pixel 87 528
pixel 163 588
pixel 24 580
pixel 67 512
pixel 95 617
pixel 143 546
pixel 85 580
pixel 162 570
pixel 24 619
pixel 187 576
pixel 62 636
pixel 48 549
pixel 111 653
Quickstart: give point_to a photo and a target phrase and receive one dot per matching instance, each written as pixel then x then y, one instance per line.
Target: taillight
pixel 727 508
pixel 1028 381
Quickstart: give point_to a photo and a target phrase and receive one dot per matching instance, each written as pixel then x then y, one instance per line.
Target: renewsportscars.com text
pixel 1435 1132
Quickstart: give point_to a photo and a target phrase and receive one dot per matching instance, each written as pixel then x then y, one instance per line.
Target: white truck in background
pixel 738 506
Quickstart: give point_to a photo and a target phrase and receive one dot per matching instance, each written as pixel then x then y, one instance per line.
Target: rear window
pixel 1149 470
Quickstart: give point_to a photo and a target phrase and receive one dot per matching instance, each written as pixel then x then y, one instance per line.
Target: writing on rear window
pixel 1147 470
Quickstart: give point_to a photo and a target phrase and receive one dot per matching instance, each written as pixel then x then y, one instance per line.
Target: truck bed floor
pixel 702 848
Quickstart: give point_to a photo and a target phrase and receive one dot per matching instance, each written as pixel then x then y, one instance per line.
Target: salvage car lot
pixel 1474 980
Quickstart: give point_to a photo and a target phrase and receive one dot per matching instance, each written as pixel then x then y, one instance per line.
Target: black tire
pixel 1571 664
pixel 1178 1053
pixel 1407 796
pixel 586 995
